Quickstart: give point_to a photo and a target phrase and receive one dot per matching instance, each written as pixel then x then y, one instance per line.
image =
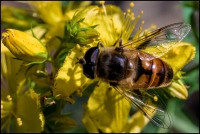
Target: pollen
pixel 9 97
pixel 19 121
pixel 166 56
pixel 101 10
pixel 131 4
pixel 124 13
pixel 79 93
pixel 175 51
pixel 128 10
pixel 153 26
pixel 155 98
pixel 142 22
pixel 94 39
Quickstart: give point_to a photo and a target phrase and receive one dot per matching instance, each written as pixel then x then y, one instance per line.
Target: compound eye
pixel 89 70
pixel 91 56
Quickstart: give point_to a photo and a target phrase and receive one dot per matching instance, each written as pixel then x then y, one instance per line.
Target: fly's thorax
pixel 113 66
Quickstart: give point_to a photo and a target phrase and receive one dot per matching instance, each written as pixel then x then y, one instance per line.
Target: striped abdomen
pixel 152 73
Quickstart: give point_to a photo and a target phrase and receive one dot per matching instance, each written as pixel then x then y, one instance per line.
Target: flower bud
pixel 178 89
pixel 86 36
pixel 24 46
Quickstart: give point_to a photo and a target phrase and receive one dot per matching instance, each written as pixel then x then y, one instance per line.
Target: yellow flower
pixel 24 46
pixel 13 103
pixel 49 11
pixel 19 107
pixel 16 18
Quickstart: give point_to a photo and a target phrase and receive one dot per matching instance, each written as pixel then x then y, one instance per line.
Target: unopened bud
pixel 24 46
pixel 86 36
pixel 177 89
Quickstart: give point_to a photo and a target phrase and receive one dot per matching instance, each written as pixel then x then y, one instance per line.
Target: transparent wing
pixel 172 33
pixel 150 104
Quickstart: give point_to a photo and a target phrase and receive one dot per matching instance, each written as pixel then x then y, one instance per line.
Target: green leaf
pixel 61 123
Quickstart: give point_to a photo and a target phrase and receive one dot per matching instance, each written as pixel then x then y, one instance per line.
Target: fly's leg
pixel 119 49
pixel 100 44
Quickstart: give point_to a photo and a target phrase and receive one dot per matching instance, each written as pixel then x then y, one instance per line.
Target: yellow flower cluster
pixel 69 35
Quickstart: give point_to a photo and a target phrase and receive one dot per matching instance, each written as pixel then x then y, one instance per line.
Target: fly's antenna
pixel 80 61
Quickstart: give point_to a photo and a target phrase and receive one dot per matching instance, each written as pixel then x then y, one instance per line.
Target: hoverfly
pixel 133 72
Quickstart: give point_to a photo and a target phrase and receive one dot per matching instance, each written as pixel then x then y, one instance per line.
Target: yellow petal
pixel 28 115
pixel 180 55
pixel 49 11
pixel 89 14
pixel 6 109
pixel 177 56
pixel 50 37
pixel 108 109
pixel 9 69
pixel 136 123
pixel 109 26
pixel 6 51
pixel 70 77
pixel 88 123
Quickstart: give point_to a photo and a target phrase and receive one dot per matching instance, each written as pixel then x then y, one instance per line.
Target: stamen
pixel 101 2
pixel 137 34
pixel 9 97
pixel 78 46
pixel 155 98
pixel 153 26
pixel 104 9
pixel 175 51
pixel 41 72
pixel 131 4
pixel 19 121
pixel 128 10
